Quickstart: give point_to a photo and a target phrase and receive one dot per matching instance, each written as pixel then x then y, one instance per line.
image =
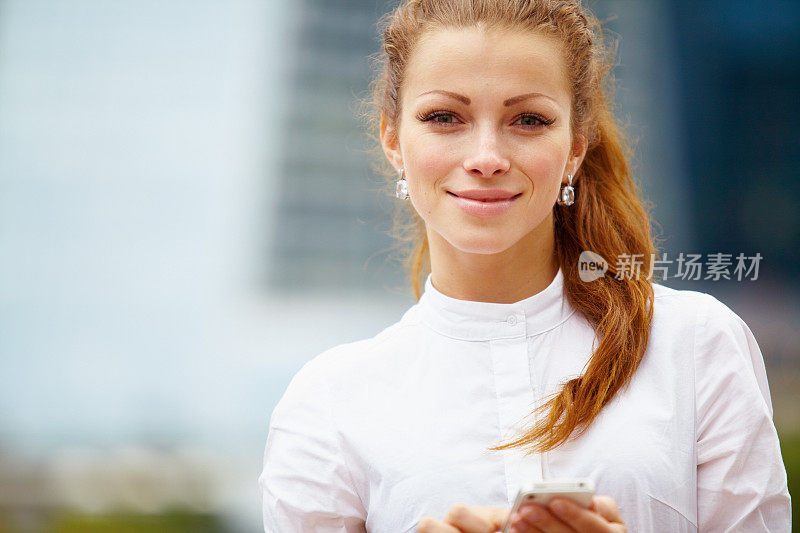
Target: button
pixel 512 320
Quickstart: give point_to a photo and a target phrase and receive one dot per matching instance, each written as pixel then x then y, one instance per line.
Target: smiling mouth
pixel 485 198
pixel 483 204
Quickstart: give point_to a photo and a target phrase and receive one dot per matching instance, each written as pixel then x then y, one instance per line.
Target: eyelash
pixel 430 116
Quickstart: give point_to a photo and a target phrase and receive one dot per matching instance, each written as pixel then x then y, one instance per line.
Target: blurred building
pixel 740 69
pixel 332 223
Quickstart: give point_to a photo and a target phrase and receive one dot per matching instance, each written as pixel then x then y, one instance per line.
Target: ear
pixel 580 144
pixel 390 143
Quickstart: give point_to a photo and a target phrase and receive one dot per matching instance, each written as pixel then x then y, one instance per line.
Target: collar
pixel 468 320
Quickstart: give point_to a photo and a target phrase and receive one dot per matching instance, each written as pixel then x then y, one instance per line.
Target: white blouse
pixel 374 435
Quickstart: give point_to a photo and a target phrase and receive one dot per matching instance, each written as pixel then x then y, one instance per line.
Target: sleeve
pixel 305 483
pixel 741 479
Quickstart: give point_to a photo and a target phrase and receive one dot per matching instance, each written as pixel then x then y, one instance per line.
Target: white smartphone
pixel 579 491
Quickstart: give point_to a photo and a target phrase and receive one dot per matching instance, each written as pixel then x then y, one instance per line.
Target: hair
pixel 608 216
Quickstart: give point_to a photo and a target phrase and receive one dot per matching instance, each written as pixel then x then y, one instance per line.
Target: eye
pixel 447 119
pixel 534 121
pixel 438 117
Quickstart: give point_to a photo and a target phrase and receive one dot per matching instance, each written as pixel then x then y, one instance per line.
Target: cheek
pixel 430 160
pixel 427 166
pixel 544 167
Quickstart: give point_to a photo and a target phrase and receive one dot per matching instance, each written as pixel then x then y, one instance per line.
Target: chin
pixel 483 246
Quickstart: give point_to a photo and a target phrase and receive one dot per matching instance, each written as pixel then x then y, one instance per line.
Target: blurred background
pixel 187 216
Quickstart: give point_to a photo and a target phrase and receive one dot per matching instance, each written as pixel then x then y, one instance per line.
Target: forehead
pixel 487 63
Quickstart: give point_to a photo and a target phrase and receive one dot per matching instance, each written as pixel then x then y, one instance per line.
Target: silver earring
pixel 401 191
pixel 566 196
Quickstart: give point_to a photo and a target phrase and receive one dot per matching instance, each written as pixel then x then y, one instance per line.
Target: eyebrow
pixel 506 103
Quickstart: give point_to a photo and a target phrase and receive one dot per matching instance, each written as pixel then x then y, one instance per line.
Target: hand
pixel 563 516
pixel 461 518
pixel 601 517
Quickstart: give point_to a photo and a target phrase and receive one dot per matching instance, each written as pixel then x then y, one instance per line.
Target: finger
pixel 580 518
pixel 431 525
pixel 524 527
pixel 541 519
pixel 496 516
pixel 471 519
pixel 607 507
pixel 517 525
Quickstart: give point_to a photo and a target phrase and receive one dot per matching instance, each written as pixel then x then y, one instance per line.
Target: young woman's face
pixel 484 135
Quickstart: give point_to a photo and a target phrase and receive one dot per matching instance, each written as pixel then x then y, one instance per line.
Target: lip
pixel 485 195
pixel 484 202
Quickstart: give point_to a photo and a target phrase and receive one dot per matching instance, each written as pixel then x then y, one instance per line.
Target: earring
pixel 566 196
pixel 401 191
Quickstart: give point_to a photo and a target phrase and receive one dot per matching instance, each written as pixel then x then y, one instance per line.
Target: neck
pixel 524 269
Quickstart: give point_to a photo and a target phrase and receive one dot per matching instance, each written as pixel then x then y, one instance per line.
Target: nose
pixel 487 159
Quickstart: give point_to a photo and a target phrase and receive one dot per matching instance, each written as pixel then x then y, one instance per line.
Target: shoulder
pixel 713 322
pixel 677 317
pixel 724 350
pixel 309 396
pixel 707 328
pixel 325 384
pixel 358 358
pixel 697 309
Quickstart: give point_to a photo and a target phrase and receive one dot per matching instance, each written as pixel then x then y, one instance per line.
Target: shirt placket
pixel 515 399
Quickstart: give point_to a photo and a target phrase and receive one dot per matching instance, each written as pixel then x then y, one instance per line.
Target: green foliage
pixel 173 522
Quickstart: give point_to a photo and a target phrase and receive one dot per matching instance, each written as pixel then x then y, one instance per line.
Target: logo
pixel 591 266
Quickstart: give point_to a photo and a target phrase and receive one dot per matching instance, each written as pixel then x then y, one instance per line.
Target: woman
pixel 494 114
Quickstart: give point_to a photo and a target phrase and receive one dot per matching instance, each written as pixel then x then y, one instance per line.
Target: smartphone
pixel 579 491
